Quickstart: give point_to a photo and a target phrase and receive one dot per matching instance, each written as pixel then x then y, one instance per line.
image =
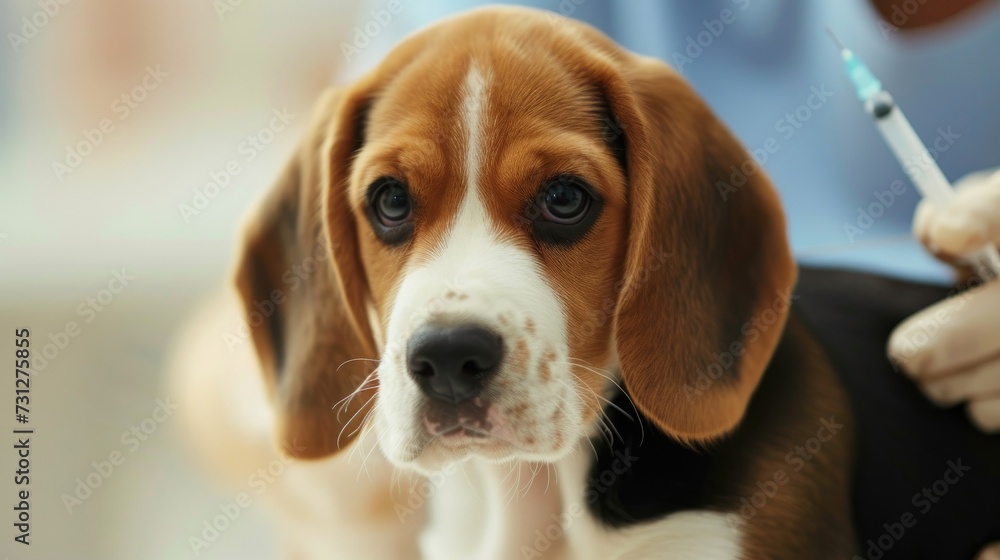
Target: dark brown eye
pixel 564 210
pixel 564 200
pixel 392 203
pixel 390 210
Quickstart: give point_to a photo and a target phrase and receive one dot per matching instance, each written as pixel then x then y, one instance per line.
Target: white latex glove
pixel 952 348
pixel 991 552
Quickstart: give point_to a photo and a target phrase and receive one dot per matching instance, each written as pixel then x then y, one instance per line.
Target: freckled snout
pixel 453 363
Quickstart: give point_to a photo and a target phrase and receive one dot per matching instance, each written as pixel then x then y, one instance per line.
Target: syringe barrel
pixel 916 160
pixel 923 170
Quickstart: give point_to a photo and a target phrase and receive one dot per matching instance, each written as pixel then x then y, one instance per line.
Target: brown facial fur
pixel 544 119
pixel 549 82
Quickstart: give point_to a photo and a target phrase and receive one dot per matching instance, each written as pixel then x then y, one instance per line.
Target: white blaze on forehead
pixel 473 113
pixel 471 248
pixel 472 216
pixel 496 275
pixel 475 276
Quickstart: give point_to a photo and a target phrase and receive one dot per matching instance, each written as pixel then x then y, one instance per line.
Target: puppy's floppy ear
pixel 706 282
pixel 304 292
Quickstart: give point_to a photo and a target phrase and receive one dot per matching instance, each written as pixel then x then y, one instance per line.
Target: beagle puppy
pixel 507 301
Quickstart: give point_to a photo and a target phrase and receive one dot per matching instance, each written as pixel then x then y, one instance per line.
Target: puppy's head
pixel 504 218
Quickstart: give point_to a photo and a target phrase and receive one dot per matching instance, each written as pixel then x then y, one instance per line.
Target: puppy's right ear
pixel 725 291
pixel 304 291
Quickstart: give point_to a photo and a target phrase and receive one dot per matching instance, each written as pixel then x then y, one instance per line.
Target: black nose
pixel 452 363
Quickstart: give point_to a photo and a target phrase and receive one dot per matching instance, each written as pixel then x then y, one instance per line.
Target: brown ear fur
pixel 695 333
pixel 304 291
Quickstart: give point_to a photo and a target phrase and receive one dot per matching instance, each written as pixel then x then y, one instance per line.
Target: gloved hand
pixel 991 552
pixel 952 348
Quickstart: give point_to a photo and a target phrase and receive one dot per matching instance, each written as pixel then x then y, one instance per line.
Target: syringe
pixel 910 151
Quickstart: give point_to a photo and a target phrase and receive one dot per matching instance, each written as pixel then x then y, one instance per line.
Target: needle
pixel 909 149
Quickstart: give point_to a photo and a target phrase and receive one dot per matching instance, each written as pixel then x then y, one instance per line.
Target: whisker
pixel 360 441
pixel 603 420
pixel 348 423
pixel 475 490
pixel 357 360
pixel 360 389
pixel 367 416
pixel 592 446
pixel 604 414
pixel 364 463
pixel 606 375
pixel 369 428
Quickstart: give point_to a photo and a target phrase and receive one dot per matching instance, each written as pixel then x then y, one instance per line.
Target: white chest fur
pixel 482 511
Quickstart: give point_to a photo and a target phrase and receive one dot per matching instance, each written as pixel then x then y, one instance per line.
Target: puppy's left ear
pixel 696 330
pixel 304 291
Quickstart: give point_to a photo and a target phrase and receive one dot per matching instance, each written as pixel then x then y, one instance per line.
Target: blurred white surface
pixel 219 78
pixel 201 88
